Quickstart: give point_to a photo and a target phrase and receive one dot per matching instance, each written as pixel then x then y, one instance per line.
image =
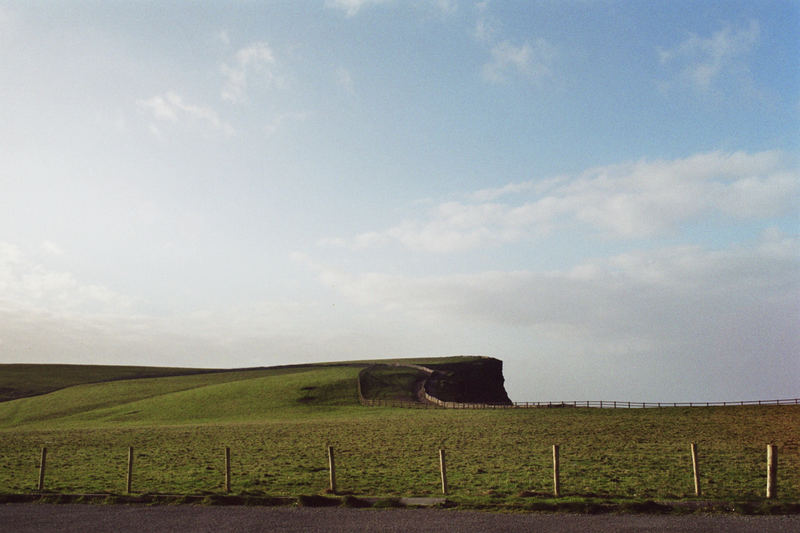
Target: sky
pixel 602 194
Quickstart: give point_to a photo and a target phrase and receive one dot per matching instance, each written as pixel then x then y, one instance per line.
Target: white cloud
pixel 485 195
pixel 51 248
pixel 485 29
pixel 5 18
pixel 345 80
pixel 161 106
pixel 649 198
pixel 171 107
pixel 454 226
pixel 352 7
pixel 704 60
pixel 223 37
pixel 281 120
pixel 8 23
pixel 28 284
pixel 730 313
pixel 446 6
pixel 48 315
pixel 629 200
pixel 613 294
pixel 256 59
pixel 261 333
pixel 531 61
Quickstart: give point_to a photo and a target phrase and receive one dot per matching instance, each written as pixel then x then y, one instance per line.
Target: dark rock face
pixel 475 381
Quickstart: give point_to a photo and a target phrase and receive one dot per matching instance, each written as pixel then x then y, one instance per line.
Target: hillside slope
pixel 204 396
pixel 219 397
pixel 24 380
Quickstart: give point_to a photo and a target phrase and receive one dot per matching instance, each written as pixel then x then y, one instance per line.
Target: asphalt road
pixel 21 518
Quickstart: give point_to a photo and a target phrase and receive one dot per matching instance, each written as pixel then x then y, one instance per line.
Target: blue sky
pixel 604 195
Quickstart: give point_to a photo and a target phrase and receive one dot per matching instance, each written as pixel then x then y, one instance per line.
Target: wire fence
pixel 644 470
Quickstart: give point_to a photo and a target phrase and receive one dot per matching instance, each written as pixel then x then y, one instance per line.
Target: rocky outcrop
pixel 466 382
pixel 476 381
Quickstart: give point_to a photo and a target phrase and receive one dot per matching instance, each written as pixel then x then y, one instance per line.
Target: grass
pixel 278 423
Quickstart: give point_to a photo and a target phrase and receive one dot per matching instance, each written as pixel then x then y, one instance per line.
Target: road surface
pixel 21 518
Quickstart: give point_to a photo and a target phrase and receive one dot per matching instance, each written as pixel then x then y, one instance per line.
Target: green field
pixel 278 423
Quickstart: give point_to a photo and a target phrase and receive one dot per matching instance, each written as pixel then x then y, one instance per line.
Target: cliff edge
pixel 478 380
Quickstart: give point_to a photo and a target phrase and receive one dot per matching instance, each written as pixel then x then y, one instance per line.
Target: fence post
pixel 772 471
pixel 556 481
pixel 332 469
pixel 443 470
pixel 42 464
pixel 227 469
pixel 129 478
pixel 695 470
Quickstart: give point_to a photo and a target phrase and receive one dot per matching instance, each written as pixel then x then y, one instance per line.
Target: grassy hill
pixel 79 395
pixel 23 380
pixel 191 399
pixel 279 421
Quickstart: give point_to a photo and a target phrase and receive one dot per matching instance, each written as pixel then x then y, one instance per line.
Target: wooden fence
pixel 435 403
pixel 428 400
pixel 771 471
pixel 605 404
